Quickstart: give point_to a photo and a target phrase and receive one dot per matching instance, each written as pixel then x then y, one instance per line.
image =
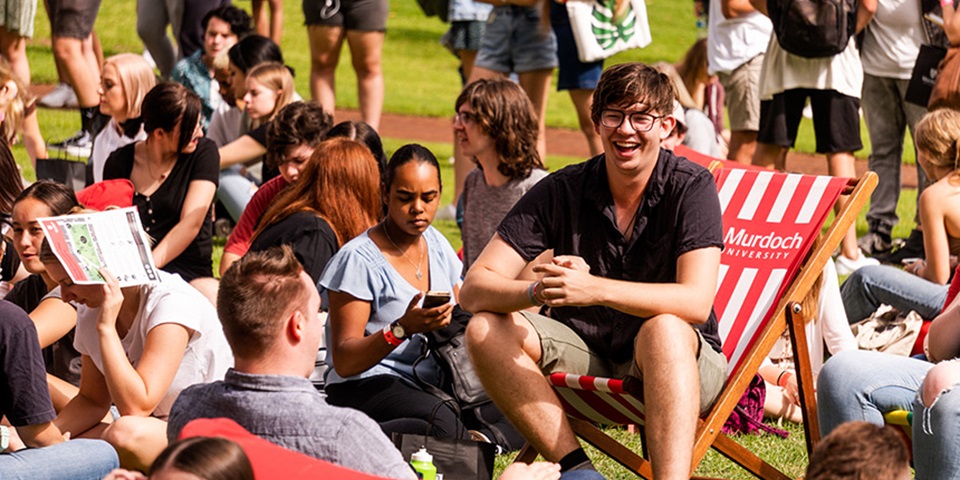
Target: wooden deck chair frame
pixel 787 314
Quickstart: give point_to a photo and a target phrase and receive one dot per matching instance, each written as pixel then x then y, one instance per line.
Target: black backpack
pixel 813 28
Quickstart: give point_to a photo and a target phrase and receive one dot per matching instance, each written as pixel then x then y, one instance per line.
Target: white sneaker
pixel 60 97
pixel 448 212
pixel 846 266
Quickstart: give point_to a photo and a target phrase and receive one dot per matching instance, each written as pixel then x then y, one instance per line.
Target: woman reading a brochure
pixel 140 345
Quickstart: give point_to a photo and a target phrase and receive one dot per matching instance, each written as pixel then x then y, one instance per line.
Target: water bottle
pixel 422 463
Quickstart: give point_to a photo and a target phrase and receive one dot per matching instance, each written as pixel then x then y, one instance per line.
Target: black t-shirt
pixel 10 262
pixel 161 211
pixel 60 358
pixel 24 396
pixel 311 238
pixel 259 135
pixel 28 292
pixel 572 212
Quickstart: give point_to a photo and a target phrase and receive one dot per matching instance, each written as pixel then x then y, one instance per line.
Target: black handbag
pixel 924 75
pixel 455 458
pixel 449 346
pixel 460 387
pixel 68 172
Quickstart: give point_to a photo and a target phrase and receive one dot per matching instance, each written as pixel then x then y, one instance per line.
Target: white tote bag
pixel 601 32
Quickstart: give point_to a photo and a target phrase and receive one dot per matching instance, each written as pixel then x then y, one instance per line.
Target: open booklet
pixel 113 238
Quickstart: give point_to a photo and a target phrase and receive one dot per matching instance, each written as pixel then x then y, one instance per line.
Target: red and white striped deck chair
pixel 710 163
pixel 772 257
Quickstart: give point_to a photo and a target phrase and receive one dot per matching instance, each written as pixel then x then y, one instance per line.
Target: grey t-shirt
pixel 485 206
pixel 289 412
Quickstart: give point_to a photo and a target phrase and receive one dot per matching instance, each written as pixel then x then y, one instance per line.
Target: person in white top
pixel 140 345
pixel 832 85
pixel 125 80
pixel 736 42
pixel 891 44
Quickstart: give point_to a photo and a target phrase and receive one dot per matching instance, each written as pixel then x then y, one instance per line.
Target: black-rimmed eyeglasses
pixel 641 122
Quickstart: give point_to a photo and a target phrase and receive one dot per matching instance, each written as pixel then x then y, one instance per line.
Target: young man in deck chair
pixel 636 237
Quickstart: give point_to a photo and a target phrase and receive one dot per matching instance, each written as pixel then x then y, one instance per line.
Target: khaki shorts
pixel 564 351
pixel 742 91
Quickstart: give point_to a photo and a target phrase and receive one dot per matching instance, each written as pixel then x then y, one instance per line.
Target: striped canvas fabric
pixel 770 221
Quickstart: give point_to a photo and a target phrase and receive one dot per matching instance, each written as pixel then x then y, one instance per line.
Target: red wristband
pixel 783 374
pixel 390 337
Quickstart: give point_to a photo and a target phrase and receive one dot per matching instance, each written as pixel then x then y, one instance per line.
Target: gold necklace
pixel 417 265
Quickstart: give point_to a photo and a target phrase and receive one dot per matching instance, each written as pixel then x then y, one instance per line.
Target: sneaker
pixel 77 146
pixel 846 266
pixel 60 97
pixel 448 212
pixel 874 243
pixel 912 248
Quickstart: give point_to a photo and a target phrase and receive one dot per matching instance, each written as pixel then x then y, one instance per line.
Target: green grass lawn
pixel 421 79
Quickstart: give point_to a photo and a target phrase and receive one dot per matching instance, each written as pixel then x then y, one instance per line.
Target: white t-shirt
pixel 106 142
pixel 227 124
pixel 892 40
pixel 785 71
pixel 731 42
pixel 171 300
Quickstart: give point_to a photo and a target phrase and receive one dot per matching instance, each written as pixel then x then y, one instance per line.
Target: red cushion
pixel 269 461
pixel 108 193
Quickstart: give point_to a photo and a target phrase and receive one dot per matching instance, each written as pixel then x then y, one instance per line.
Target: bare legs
pixel 583 100
pixel 82 69
pixel 666 352
pixel 505 350
pixel 842 165
pixel 13 47
pixel 743 145
pixel 272 26
pixel 365 51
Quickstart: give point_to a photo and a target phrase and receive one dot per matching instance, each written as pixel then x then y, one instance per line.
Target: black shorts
pixel 360 15
pixel 836 119
pixel 73 18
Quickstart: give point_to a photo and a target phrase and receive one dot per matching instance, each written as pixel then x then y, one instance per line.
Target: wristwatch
pixel 394 333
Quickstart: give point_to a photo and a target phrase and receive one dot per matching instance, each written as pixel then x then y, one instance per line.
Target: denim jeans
pixel 936 436
pixel 235 191
pixel 861 385
pixel 869 287
pixel 78 459
pixel 888 115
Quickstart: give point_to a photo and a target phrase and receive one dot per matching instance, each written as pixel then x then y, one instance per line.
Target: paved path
pixel 560 141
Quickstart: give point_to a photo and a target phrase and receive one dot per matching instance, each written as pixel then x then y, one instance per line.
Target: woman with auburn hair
pixel 124 80
pixel 496 127
pixel 336 198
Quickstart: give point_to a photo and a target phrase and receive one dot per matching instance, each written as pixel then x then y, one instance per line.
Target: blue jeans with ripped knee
pixel 861 385
pixel 936 436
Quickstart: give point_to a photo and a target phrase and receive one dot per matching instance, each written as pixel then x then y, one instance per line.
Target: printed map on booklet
pixel 113 239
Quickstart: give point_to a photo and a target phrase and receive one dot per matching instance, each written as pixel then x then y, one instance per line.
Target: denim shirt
pixel 469 10
pixel 290 412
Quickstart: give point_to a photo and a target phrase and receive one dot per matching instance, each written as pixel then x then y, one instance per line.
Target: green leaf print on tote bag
pixel 603 28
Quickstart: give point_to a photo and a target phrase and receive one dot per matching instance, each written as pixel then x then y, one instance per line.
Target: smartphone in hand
pixel 435 298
